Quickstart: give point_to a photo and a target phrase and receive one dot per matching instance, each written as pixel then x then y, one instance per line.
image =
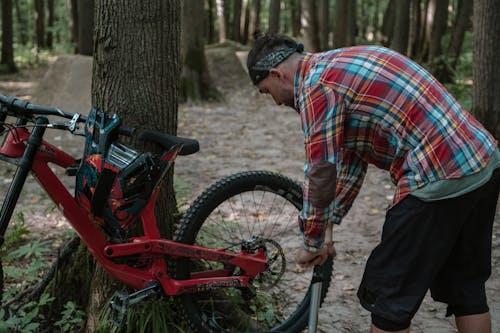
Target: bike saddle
pixel 167 141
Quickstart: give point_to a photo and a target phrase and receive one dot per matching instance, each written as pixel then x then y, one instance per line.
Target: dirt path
pixel 247 131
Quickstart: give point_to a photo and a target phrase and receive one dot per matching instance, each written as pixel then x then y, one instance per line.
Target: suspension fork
pixel 23 168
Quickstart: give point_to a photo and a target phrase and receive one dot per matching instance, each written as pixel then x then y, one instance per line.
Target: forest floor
pixel 244 131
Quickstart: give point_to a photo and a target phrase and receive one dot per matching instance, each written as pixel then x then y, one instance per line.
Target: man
pixel 368 104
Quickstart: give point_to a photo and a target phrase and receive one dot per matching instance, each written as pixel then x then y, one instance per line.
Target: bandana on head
pixel 260 70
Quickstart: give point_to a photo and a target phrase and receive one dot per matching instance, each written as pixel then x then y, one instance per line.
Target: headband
pixel 260 70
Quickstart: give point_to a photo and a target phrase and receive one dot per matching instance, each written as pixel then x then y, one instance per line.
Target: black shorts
pixel 444 246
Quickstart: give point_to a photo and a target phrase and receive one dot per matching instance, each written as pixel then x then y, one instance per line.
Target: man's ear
pixel 276 72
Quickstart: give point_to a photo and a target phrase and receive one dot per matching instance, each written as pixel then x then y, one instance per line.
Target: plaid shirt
pixel 368 104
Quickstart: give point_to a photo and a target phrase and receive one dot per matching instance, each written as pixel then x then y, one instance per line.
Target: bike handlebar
pixel 21 108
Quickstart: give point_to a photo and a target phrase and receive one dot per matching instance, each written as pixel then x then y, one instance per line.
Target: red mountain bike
pixel 230 264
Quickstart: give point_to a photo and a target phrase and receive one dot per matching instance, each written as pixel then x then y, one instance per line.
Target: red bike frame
pixel 151 245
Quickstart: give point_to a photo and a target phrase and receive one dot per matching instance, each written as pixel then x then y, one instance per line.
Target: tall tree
pixel 344 33
pixel 236 21
pixel 244 21
pixel 295 10
pixel 141 85
pixel 324 23
pixel 254 23
pixel 195 82
pixel 310 25
pixel 415 28
pixel 221 19
pixel 274 16
pixel 22 22
pixel 85 26
pixel 74 23
pixel 7 36
pixel 50 24
pixel 401 27
pixel 438 29
pixel 39 24
pixel 388 22
pixel 486 71
pixel 210 22
pixel 462 24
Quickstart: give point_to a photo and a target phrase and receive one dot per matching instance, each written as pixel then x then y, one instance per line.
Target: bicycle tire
pixel 1 281
pixel 287 312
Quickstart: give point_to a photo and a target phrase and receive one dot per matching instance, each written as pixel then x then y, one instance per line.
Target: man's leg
pixel 417 239
pixel 478 323
pixel 461 281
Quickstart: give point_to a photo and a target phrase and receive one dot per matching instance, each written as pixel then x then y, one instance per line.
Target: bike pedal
pixel 121 300
pixel 119 308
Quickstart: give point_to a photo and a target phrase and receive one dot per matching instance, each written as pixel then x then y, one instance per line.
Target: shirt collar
pixel 299 78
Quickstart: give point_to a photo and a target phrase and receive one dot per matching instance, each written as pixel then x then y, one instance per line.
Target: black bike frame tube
pixel 22 171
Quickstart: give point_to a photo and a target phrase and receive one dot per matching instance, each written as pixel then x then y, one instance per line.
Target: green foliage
pixel 155 315
pixel 182 191
pixel 72 318
pixel 29 318
pixel 23 267
pixel 17 230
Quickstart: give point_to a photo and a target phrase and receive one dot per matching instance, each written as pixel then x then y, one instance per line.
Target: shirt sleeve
pixel 351 171
pixel 322 115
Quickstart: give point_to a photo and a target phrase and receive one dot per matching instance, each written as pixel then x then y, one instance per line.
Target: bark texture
pixel 486 71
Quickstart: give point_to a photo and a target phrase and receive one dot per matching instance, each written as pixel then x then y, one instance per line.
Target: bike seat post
pixel 23 168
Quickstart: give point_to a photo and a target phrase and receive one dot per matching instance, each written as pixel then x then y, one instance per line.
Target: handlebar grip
pixel 15 103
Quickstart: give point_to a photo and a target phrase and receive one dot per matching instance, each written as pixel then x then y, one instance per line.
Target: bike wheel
pixel 1 281
pixel 240 209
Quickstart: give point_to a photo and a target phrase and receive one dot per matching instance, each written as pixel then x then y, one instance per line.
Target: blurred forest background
pixel 436 33
pixel 458 41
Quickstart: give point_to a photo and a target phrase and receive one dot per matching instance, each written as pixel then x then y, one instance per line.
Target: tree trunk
pixel 227 5
pixel 221 19
pixel 236 22
pixel 74 23
pixel 415 24
pixel 210 22
pixel 399 40
pixel 462 24
pixel 254 24
pixel 310 25
pixel 50 24
pixel 388 22
pixel 140 84
pixel 195 81
pixel 7 36
pixel 438 66
pixel 39 24
pixel 85 26
pixel 376 22
pixel 295 10
pixel 486 71
pixel 274 16
pixel 21 21
pixel 324 24
pixel 344 33
pixel 245 21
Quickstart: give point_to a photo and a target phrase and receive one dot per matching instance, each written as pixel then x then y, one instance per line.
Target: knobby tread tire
pixel 196 215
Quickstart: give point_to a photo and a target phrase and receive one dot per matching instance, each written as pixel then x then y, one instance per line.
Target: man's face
pixel 275 85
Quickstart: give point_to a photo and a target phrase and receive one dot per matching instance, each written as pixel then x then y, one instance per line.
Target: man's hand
pixel 306 259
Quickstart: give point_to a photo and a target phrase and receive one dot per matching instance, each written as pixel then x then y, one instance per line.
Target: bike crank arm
pixel 121 300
